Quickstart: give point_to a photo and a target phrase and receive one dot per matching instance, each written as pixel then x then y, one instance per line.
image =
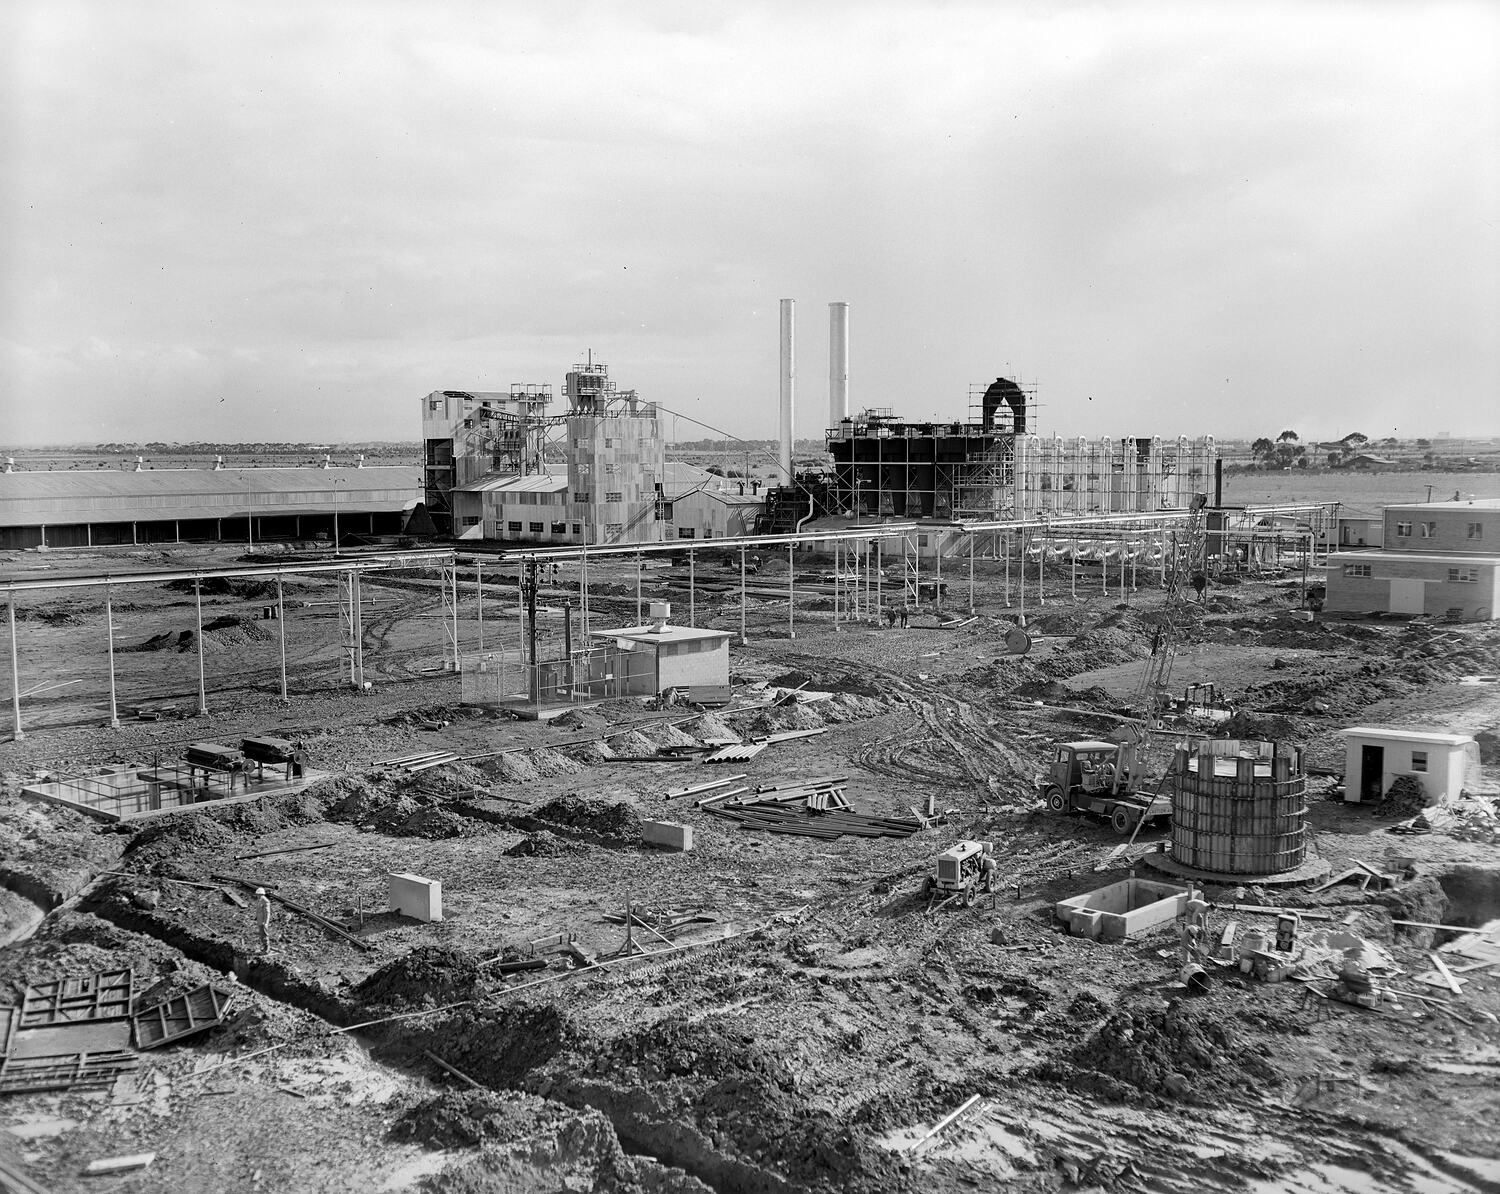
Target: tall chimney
pixel 838 363
pixel 788 385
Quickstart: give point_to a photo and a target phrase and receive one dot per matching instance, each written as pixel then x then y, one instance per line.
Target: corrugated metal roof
pixel 535 483
pixel 110 495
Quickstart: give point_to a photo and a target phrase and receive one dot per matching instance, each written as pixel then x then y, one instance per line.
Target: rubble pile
pixel 168 839
pixel 1404 798
pixel 428 976
pixel 542 844
pixel 612 819
pixel 1182 1052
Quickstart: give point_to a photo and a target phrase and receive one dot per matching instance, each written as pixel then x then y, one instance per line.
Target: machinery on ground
pixel 963 871
pixel 1103 778
pixel 1199 703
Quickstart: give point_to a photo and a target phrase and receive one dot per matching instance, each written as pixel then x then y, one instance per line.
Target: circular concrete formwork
pixel 1312 870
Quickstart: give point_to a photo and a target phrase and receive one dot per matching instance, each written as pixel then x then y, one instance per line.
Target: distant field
pixel 1363 491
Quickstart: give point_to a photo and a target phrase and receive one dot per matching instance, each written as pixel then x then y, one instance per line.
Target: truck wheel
pixel 1056 801
pixel 1121 821
pixel 968 900
pixel 926 887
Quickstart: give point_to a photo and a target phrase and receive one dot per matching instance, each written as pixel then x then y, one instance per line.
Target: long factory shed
pixel 110 507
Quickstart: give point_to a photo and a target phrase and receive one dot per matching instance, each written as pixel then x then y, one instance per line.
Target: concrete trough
pixel 1125 909
pixel 669 835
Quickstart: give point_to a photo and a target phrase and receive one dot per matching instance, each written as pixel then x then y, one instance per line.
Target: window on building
pixel 1464 576
pixel 613 530
pixel 471 520
pixel 513 527
pixel 1356 570
pixel 609 443
pixel 578 528
pixel 582 496
pixel 1419 760
pixel 534 528
pixel 1476 530
pixel 1403 530
pixel 1429 529
pixel 666 511
pixel 434 405
pixel 615 496
pixel 609 466
pixel 559 528
pixel 686 533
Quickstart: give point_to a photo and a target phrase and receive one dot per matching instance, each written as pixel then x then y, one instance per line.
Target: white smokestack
pixel 838 363
pixel 788 385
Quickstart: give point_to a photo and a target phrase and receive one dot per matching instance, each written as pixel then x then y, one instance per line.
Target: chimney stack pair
pixel 838 374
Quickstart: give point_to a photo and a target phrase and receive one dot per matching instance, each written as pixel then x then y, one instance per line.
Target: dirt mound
pixel 744 1097
pixel 614 819
pixel 409 807
pixel 542 844
pixel 1185 1051
pixel 850 682
pixel 225 586
pixel 1269 728
pixel 461 1118
pixel 428 976
pixel 171 640
pixel 711 725
pixel 171 837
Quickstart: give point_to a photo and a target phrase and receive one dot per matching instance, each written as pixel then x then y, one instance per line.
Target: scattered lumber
pixel 946 1122
pixel 13 1181
pixel 234 897
pixel 1423 924
pixel 503 965
pixel 803 822
pixel 1442 968
pixel 120 1164
pixel 1263 910
pixel 284 850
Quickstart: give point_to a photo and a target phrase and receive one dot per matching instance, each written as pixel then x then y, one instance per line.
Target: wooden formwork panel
pixel 106 995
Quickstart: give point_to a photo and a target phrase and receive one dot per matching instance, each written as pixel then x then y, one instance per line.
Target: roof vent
pixel 660 612
pixel 218 464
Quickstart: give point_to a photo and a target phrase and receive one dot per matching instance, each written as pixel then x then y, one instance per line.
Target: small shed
pixel 1375 756
pixel 669 656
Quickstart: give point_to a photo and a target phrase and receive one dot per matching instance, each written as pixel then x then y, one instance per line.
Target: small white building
pixel 656 657
pixel 1375 756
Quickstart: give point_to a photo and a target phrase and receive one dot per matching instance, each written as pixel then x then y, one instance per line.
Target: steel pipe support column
pixel 281 629
pixel 109 622
pixel 743 639
pixel 16 733
pixel 791 590
pixel 202 689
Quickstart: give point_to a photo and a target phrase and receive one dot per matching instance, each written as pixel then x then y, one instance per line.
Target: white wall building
pixel 1374 757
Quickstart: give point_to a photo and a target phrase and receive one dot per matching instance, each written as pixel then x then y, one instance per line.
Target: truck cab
pixel 1102 778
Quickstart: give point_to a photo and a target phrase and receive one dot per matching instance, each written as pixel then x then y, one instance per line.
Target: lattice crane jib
pixel 1185 567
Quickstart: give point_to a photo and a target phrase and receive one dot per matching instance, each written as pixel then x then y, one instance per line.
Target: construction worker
pixel 890 616
pixel 905 615
pixel 263 919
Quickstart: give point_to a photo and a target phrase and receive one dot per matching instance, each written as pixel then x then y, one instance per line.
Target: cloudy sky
pixel 289 220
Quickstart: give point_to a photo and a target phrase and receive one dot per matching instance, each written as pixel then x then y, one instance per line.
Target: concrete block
pixel 414 896
pixel 667 834
pixel 1302 615
pixel 1124 909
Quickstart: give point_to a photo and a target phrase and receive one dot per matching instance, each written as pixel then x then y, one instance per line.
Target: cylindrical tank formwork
pixel 1239 807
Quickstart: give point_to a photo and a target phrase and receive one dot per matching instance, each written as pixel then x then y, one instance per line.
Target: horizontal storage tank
pixel 1240 807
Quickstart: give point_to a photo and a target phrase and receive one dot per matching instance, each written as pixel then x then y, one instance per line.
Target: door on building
pixel 1408 596
pixel 1371 771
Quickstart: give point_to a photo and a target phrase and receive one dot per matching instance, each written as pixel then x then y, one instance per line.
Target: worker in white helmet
pixel 263 919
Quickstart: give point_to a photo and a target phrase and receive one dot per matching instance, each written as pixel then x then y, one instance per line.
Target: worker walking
pixel 905 616
pixel 263 919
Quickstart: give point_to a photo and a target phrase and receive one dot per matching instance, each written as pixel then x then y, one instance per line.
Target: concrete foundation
pixel 134 793
pixel 1124 909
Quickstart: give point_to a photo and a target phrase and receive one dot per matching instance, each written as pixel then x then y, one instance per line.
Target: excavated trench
pixel 520 1047
pixel 1473 896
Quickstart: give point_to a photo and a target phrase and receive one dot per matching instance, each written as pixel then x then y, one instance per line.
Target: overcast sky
pixel 290 220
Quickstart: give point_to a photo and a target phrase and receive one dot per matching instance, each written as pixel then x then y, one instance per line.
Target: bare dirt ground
pixel 816 1022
